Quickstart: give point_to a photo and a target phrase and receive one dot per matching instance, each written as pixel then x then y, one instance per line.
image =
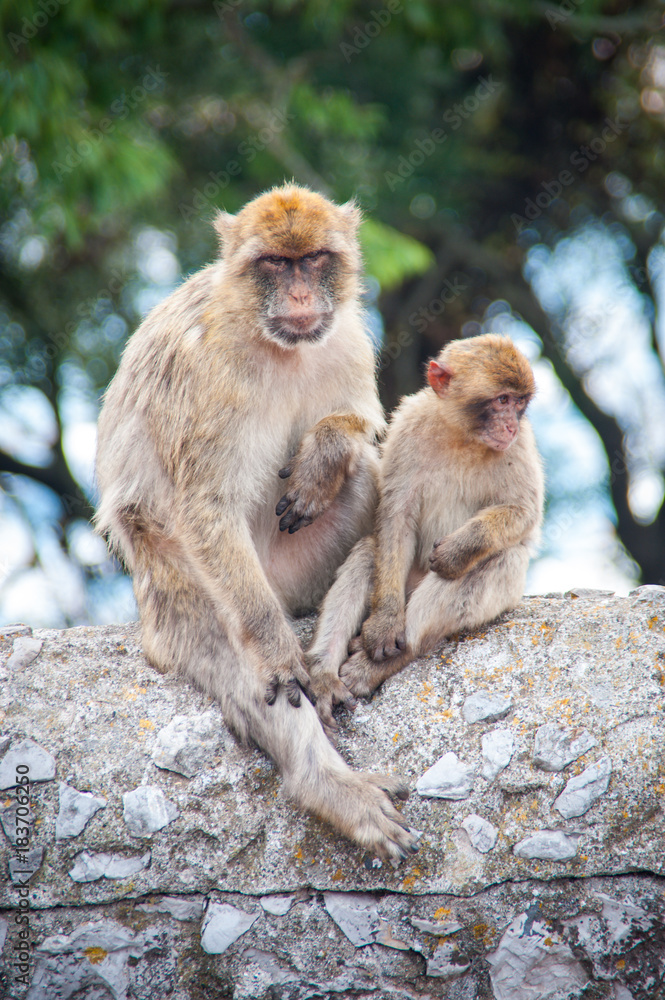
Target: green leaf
pixel 390 255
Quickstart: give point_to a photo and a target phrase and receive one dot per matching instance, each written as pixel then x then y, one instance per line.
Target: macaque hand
pixel 451 558
pixel 315 475
pixel 329 690
pixel 383 635
pixel 292 674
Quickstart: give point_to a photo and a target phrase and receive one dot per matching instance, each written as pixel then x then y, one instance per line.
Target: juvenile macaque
pixel 237 467
pixel 461 496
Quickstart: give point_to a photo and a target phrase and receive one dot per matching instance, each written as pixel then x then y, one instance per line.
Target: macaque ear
pixel 224 224
pixel 439 377
pixel 353 214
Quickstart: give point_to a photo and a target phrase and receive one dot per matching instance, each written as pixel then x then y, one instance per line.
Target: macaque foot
pixel 361 676
pixel 359 805
pixel 373 821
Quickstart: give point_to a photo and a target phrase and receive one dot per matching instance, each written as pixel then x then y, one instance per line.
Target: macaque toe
pixel 285 472
pixel 359 675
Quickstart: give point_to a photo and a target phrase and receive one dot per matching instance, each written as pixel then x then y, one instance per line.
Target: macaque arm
pixel 383 633
pixel 226 566
pixel 487 533
pixel 327 454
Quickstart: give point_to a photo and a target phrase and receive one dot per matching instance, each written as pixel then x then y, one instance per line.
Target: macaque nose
pixel 300 293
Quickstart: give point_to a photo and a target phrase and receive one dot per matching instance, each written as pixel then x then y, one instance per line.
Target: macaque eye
pixel 315 255
pixel 504 399
pixel 275 260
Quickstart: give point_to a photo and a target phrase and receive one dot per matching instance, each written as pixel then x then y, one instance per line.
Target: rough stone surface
pixel 95 708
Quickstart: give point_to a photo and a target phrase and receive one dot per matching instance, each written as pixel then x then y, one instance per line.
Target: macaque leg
pixel 438 608
pixel 182 629
pixel 340 618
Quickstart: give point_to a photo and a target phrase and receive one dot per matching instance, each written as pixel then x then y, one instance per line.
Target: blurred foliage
pixel 124 125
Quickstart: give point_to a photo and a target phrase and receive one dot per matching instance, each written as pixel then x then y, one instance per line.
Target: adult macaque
pixel 256 368
pixel 461 497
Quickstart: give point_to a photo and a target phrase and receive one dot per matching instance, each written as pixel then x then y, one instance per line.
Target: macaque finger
pixel 285 472
pixel 293 692
pixel 285 502
pixel 302 522
pixel 271 691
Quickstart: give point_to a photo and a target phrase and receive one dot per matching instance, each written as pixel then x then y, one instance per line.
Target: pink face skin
pixel 502 421
pixel 298 295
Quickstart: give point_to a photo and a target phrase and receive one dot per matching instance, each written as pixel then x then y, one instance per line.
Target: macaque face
pixel 297 295
pixel 499 420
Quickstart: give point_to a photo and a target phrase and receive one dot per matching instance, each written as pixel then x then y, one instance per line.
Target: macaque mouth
pixel 499 440
pixel 299 327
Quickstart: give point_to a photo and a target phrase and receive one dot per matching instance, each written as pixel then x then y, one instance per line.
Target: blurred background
pixel 509 157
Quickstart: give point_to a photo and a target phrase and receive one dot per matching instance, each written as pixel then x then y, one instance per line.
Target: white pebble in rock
pixel 277 905
pixel 555 747
pixel 36 764
pixel 223 925
pixel 482 833
pixel 447 962
pixel 584 789
pixel 9 817
pixel 532 962
pixel 90 866
pixel 498 748
pixel 25 649
pixel 546 845
pixel 355 913
pixel 25 865
pixel 76 810
pixel 481 706
pixel 449 778
pixel 146 810
pixel 178 907
pixel 187 744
